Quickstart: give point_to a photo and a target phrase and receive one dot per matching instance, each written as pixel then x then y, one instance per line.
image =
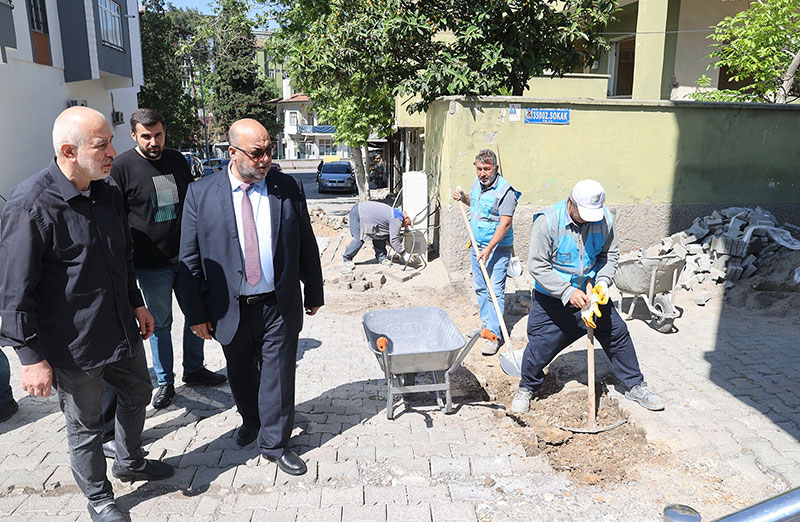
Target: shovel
pixel 592 426
pixel 510 364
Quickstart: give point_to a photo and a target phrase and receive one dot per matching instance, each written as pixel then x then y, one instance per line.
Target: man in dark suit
pixel 246 244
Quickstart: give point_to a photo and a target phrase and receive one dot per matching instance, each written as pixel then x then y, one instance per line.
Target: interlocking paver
pixel 415 513
pixel 454 512
pixel 374 495
pixel 376 513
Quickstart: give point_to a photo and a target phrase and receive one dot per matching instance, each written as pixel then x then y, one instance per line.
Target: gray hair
pixel 68 128
pixel 486 156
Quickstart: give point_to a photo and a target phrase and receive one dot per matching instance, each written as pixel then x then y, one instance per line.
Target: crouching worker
pixel 380 223
pixel 571 243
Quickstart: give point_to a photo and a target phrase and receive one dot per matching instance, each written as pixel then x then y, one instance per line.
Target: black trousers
pixel 262 358
pixel 80 397
pixel 553 326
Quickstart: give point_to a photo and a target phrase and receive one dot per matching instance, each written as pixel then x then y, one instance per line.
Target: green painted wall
pixel 643 152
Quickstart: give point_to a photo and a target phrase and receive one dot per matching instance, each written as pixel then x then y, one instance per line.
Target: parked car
pixel 213 165
pixel 336 176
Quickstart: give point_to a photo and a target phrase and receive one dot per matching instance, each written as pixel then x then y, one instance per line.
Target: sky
pixel 200 5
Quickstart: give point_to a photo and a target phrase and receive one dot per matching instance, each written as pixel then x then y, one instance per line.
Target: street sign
pixel 547 116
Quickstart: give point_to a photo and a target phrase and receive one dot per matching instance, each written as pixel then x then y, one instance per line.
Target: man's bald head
pixel 243 128
pixel 72 127
pixel 250 150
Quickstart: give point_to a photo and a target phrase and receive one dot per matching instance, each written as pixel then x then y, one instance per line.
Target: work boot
pixel 385 261
pixel 348 264
pixel 521 403
pixel 645 397
pixel 491 347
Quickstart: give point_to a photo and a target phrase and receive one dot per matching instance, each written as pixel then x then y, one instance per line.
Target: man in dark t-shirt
pixel 154 180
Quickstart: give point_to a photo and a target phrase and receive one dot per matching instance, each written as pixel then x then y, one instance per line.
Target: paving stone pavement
pixel 732 389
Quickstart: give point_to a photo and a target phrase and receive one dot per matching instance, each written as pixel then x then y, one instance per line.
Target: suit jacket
pixel 211 262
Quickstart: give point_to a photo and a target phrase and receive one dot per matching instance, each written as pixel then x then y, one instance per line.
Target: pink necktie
pixel 252 262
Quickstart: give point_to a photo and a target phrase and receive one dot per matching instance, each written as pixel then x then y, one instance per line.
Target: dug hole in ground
pixel 632 460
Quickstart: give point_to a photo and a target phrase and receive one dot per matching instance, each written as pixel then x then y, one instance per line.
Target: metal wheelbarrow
pixel 407 341
pixel 654 280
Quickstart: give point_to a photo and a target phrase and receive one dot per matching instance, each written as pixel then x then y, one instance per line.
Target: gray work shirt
pixel 378 222
pixel 542 250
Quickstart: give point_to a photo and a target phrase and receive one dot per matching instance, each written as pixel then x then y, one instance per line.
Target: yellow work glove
pixel 601 291
pixel 599 296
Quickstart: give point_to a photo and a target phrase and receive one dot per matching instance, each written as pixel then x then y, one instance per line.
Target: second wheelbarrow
pixel 654 280
pixel 408 341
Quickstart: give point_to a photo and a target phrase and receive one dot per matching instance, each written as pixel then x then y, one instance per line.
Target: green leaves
pixel 757 47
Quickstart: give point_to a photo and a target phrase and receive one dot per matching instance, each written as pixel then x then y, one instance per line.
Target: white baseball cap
pixel 589 196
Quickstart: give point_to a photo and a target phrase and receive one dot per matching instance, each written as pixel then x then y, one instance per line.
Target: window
pixel 37 17
pixel 110 23
pixel 293 119
pixel 326 147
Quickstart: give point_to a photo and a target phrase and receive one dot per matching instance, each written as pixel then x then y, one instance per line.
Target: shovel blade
pixel 511 363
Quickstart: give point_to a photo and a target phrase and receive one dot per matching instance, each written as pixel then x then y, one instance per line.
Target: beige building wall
pixel 663 163
pixel 691 59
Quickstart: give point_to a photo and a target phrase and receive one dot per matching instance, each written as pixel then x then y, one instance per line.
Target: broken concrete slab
pixel 750 270
pixel 702 299
pixel 360 286
pixel 699 230
pixel 402 275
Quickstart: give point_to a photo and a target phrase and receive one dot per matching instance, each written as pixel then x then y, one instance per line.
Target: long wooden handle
pixel 488 281
pixel 590 366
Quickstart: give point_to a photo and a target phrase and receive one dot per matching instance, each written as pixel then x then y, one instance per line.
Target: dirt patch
pixel 773 290
pixel 324 225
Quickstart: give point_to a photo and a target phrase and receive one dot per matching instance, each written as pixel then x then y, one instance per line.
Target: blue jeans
pixel 497 267
pixel 157 286
pixel 5 379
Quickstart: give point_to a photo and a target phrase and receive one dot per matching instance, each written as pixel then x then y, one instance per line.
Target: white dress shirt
pixel 259 200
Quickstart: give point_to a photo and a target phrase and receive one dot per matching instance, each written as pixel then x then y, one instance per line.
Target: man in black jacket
pixel 246 244
pixel 153 180
pixel 70 305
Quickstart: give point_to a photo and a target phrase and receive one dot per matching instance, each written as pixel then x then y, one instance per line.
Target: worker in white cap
pixel 573 242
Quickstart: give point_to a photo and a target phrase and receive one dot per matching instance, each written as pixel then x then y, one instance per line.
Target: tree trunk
pixel 361 174
pixel 788 79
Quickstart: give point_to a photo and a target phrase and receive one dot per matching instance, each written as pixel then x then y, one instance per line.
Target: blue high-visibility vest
pixel 575 262
pixel 484 209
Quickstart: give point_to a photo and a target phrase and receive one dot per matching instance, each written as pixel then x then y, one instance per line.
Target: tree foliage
pixel 163 89
pixel 759 46
pixel 236 89
pixel 352 57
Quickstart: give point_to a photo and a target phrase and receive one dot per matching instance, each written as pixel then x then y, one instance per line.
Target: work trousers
pixel 157 286
pixel 80 399
pixel 497 268
pixel 553 326
pixel 379 245
pixel 261 362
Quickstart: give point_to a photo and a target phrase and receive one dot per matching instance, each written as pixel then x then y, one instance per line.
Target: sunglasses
pixel 254 155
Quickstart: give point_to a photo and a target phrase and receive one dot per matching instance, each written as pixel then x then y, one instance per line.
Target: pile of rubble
pixel 361 280
pixel 334 222
pixel 724 247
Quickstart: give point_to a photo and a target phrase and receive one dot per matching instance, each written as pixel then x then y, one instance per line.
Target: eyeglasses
pixel 254 155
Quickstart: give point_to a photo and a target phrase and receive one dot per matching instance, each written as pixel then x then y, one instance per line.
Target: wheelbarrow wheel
pixel 662 305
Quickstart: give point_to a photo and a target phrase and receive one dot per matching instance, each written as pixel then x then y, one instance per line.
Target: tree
pixel 760 47
pixel 497 46
pixel 353 56
pixel 163 87
pixel 236 90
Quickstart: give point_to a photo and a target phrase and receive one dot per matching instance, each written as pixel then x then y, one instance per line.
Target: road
pixel 337 204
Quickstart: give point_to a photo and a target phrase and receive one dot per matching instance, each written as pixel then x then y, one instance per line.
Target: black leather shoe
pixel 164 396
pixel 246 434
pixel 110 513
pixel 152 470
pixel 290 463
pixel 204 377
pixel 8 409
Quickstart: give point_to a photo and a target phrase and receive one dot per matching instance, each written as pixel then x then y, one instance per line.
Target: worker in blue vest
pixel 492 201
pixel 573 242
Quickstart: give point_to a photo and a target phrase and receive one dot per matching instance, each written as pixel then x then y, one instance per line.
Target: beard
pixel 92 169
pixel 251 174
pixel 153 153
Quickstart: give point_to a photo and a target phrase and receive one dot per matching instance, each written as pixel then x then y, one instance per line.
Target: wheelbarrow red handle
pixel 488 334
pixel 382 343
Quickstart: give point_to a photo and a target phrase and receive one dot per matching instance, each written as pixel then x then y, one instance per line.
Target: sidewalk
pixel 732 395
